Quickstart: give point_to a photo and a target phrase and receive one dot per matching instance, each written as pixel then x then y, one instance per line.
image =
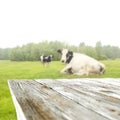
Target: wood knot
pixel 118 114
pixel 112 110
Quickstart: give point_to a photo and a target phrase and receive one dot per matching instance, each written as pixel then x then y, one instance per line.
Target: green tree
pixel 99 51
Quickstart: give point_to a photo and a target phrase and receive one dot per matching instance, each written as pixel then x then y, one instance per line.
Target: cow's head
pixel 51 56
pixel 66 55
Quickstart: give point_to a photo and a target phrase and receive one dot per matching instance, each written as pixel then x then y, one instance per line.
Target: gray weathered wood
pixel 66 99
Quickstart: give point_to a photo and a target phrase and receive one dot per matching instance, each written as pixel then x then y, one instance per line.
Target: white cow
pixel 80 64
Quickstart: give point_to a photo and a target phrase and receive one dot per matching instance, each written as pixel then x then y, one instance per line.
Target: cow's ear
pixel 70 53
pixel 59 51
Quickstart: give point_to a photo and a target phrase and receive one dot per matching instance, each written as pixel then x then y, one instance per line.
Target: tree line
pixel 32 51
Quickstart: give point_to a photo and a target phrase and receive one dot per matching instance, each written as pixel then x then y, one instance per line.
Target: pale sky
pixel 70 21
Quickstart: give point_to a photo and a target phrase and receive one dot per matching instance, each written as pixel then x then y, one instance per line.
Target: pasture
pixel 35 70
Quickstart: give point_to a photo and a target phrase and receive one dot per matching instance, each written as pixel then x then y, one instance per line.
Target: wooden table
pixel 66 99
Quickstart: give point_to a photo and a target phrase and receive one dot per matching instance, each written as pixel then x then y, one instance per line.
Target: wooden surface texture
pixel 66 99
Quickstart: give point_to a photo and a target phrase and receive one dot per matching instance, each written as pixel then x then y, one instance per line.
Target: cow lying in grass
pixel 46 59
pixel 80 64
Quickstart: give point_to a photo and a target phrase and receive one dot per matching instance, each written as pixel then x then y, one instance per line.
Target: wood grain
pixel 66 99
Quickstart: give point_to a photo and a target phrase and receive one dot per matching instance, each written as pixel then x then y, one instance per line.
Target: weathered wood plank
pixel 88 93
pixel 29 100
pixel 66 99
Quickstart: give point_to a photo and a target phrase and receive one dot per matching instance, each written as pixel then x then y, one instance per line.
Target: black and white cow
pixel 46 59
pixel 80 64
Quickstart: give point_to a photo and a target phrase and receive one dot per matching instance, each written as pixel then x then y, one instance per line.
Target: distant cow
pixel 80 64
pixel 46 59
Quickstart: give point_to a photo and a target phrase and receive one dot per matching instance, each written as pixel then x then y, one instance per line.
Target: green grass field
pixel 35 70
